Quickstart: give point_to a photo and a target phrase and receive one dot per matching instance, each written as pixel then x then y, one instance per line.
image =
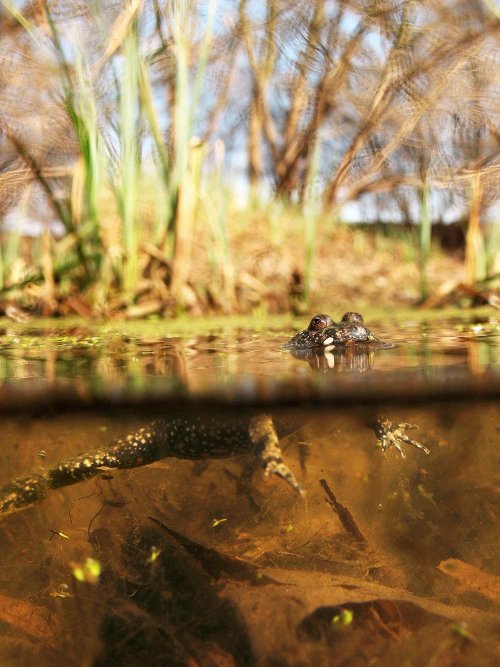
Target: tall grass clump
pixel 124 139
pixel 188 150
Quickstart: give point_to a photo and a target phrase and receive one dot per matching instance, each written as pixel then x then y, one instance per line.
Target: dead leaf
pixel 471 578
pixel 26 617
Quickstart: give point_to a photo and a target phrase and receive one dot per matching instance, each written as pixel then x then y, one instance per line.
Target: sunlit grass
pixel 140 176
pixel 424 239
pixel 128 168
pixel 107 239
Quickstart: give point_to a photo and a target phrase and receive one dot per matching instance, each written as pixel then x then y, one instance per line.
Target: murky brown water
pixel 385 561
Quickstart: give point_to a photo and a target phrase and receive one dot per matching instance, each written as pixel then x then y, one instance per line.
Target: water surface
pixel 239 364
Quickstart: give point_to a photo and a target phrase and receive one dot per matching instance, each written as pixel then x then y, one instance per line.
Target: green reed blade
pixel 129 157
pixel 424 238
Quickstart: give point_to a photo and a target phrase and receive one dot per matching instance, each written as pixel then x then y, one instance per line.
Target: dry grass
pixel 386 106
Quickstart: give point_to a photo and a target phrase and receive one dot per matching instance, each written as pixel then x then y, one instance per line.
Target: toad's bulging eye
pixel 319 322
pixel 352 317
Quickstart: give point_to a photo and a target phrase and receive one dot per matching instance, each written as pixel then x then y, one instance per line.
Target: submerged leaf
pixel 471 578
pixel 25 617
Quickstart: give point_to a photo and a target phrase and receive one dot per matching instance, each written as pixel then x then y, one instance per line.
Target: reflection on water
pixel 385 560
pixel 80 365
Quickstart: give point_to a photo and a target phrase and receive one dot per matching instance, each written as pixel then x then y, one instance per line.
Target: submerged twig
pixel 346 518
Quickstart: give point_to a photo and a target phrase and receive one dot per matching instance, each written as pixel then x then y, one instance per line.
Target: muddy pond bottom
pixel 384 560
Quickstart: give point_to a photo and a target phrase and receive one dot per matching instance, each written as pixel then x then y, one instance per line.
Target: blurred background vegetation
pixel 243 155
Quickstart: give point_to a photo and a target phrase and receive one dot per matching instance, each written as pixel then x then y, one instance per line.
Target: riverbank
pixel 262 268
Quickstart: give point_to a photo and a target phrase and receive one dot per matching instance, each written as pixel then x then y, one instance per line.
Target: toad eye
pixel 319 322
pixel 352 317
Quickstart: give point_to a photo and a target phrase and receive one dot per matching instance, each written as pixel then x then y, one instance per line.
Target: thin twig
pixel 346 518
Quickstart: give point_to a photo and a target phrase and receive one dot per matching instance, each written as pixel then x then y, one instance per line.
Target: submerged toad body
pixel 201 436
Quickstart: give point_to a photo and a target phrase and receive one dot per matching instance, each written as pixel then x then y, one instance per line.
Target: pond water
pixel 384 560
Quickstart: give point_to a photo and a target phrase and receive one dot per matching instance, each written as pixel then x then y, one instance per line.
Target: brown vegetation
pixel 135 125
